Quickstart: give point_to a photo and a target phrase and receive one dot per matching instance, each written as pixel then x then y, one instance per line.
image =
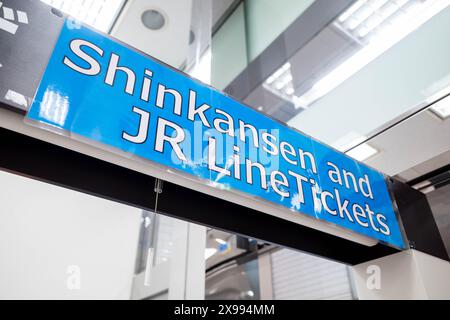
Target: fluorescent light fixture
pixel 289 91
pixel 364 13
pixel 377 25
pixel 373 15
pixel 280 83
pixel 221 241
pixel 99 14
pixel 362 152
pixel 442 108
pixel 209 252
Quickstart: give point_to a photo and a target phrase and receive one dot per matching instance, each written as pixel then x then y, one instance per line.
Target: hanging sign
pixel 97 88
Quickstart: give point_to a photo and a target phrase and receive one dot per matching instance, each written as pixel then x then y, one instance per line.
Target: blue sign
pixel 97 88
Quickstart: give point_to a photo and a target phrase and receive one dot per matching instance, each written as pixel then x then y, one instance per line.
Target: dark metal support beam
pixel 418 220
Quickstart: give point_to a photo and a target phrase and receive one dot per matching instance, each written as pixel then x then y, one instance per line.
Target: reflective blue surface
pixel 97 88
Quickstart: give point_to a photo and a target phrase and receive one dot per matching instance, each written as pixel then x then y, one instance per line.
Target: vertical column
pixel 409 274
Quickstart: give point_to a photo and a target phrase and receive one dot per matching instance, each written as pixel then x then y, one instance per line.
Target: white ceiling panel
pixel 170 42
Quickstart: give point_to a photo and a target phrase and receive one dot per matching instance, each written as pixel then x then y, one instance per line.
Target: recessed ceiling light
pixel 442 108
pixel 362 152
pixel 153 19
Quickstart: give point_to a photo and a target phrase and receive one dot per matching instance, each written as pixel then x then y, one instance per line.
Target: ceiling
pixel 413 147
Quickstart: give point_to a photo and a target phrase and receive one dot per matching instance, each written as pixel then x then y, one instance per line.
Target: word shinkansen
pixel 286 184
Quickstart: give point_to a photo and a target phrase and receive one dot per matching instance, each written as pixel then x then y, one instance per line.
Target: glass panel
pixel 229 50
pixel 267 19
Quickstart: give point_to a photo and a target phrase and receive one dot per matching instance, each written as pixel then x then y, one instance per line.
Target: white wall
pixel 407 275
pixel 44 229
